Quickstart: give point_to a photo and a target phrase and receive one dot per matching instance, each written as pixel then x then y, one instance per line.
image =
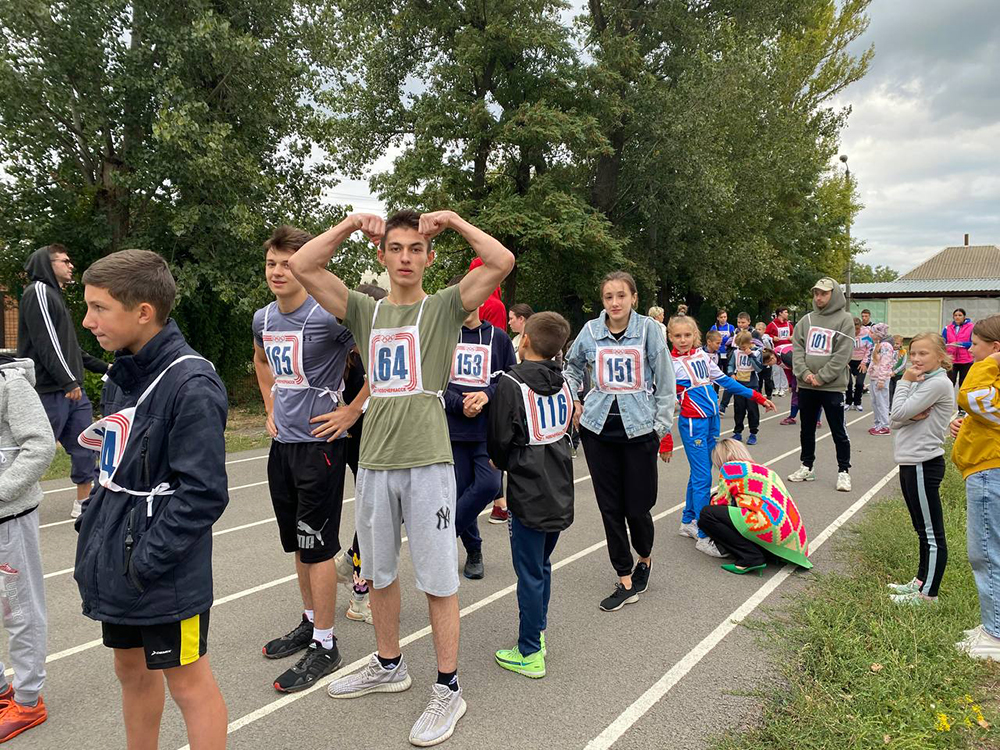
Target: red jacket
pixel 781 333
pixel 493 309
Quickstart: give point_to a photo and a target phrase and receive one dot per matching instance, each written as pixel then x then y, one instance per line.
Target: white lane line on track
pixel 613 732
pixel 285 700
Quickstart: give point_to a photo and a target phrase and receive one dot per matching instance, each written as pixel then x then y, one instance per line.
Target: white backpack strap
pixel 375 314
pixel 151 386
pixel 267 311
pixel 314 308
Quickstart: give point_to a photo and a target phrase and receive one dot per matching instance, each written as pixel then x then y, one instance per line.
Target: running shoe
pixel 499 515
pixel 787 420
pixel 904 588
pixel 802 474
pixel 373 678
pixel 315 664
pixel 843 482
pixel 640 577
pixel 913 599
pixel 819 423
pixel 290 643
pixel 15 718
pixel 859 408
pixel 708 547
pixel 345 567
pixel 437 722
pixel 884 431
pixel 738 436
pixel 981 646
pixel 873 431
pixel 474 569
pixel 619 598
pixel 360 609
pixel 541 638
pixel 532 666
pixel 77 509
pixel 689 529
pixel 968 637
pixel 752 440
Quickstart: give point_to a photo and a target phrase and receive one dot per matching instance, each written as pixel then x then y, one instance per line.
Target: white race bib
pixel 548 417
pixel 619 369
pixel 697 370
pixel 394 362
pixel 820 340
pixel 744 363
pixel 783 332
pixel 284 354
pixel 471 365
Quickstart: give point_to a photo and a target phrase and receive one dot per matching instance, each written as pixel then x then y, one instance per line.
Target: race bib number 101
pixel 819 340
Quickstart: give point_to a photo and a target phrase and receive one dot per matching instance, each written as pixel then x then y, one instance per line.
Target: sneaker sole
pixel 385 687
pixel 516 670
pixel 296 688
pixel 451 730
pixel 804 479
pixel 284 654
pixel 26 727
pixel 631 600
pixel 350 615
pixel 478 577
pixel 497 520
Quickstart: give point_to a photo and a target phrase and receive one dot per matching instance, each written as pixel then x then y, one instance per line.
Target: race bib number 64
pixel 395 370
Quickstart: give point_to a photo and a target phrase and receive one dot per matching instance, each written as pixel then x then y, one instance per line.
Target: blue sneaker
pixel 738 436
pixel 752 440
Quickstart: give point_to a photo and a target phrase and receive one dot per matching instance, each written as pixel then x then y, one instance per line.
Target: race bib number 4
pixel 395 369
pixel 819 340
pixel 471 365
pixel 619 370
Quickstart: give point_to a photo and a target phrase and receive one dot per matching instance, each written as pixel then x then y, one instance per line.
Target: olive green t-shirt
pixel 402 432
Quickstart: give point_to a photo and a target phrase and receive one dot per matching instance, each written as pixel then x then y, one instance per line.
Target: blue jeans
pixel 530 550
pixel 698 436
pixel 982 491
pixel 68 420
pixel 477 484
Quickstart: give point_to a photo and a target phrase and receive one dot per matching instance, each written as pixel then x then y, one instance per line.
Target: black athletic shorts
pixel 165 646
pixel 307 491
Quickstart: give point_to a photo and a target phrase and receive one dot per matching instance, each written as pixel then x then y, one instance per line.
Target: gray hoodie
pixel 822 344
pixel 916 442
pixel 26 442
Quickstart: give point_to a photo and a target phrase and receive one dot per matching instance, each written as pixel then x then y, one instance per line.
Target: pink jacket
pixel 959 339
pixel 881 371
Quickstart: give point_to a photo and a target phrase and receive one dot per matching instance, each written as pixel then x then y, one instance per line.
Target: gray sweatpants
pixel 22 592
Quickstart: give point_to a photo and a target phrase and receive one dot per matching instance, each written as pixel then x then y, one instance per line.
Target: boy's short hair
pixel 713 336
pixel 405 218
pixel 783 308
pixel 743 316
pixel 55 248
pixel 522 310
pixel 133 277
pixel 743 338
pixel 548 332
pixel 286 239
pixel 866 310
pixel 721 311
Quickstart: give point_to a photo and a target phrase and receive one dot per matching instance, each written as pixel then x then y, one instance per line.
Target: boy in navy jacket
pixel 483 354
pixel 528 438
pixel 144 555
pixel 745 366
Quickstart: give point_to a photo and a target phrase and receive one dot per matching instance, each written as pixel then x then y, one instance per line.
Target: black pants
pixel 746 407
pixel 958 373
pixel 767 381
pixel 715 522
pixel 855 384
pixel 921 484
pixel 624 477
pixel 811 402
pixel 892 388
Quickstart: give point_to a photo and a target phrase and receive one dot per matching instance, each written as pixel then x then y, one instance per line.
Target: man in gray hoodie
pixel 821 350
pixel 26 448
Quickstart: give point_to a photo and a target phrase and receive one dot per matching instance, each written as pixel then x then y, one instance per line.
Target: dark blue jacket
pixel 139 570
pixel 461 427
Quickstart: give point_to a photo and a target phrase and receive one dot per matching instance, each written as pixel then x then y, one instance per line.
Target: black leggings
pixel 958 373
pixel 717 523
pixel 921 484
pixel 855 384
pixel 624 477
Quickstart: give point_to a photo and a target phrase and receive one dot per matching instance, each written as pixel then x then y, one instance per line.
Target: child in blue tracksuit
pixel 695 373
pixel 745 366
pixel 483 354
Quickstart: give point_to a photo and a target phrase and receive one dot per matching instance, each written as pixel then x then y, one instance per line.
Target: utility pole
pixel 850 254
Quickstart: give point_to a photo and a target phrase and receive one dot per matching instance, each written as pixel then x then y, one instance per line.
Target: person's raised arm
pixel 477 285
pixel 310 261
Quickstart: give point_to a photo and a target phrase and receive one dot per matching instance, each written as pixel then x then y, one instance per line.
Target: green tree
pixel 185 128
pixel 862 273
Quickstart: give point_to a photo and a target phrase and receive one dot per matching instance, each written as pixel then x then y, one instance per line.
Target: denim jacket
pixel 644 412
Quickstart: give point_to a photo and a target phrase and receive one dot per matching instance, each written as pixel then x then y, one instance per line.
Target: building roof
pixel 904 287
pixel 962 262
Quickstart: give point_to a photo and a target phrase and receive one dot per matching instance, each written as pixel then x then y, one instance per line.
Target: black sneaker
pixel 290 643
pixel 640 577
pixel 474 568
pixel 316 663
pixel 620 598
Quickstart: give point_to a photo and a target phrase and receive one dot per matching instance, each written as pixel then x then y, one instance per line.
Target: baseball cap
pixel 826 284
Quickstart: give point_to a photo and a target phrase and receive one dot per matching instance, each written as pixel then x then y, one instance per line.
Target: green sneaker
pixel 545 651
pixel 532 666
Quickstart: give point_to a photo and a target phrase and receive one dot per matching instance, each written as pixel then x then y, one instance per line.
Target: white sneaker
pixel 843 482
pixel 912 599
pixel 802 474
pixel 904 588
pixel 968 637
pixel 984 646
pixel 345 567
pixel 689 529
pixel 437 722
pixel 709 547
pixel 360 609
pixel 77 509
pixel 371 679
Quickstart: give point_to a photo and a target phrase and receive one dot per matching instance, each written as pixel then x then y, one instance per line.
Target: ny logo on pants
pixel 444 517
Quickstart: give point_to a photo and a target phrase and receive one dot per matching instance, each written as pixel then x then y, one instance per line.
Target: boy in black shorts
pixel 299 355
pixel 144 555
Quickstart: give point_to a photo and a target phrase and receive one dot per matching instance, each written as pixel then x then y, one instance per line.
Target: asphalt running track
pixel 669 671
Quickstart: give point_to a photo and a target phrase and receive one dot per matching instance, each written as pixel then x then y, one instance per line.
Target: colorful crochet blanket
pixel 762 510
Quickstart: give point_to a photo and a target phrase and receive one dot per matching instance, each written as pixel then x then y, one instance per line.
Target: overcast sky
pixel 923 138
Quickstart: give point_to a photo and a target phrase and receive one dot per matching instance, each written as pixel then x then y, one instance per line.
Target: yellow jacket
pixel 977 447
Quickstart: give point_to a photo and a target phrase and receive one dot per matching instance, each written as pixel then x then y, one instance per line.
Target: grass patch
pixel 244 431
pixel 857 671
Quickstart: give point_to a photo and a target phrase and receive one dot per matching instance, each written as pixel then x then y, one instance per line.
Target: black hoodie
pixel 539 477
pixel 46 333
